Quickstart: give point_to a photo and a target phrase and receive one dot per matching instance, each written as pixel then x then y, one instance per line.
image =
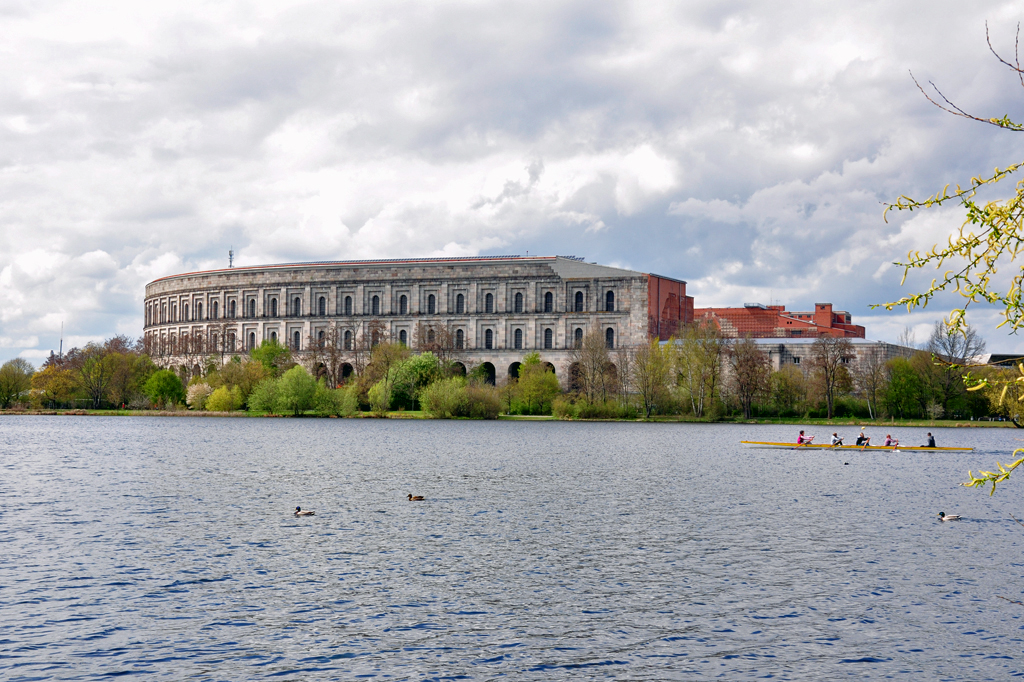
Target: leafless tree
pixel 591 365
pixel 951 350
pixel 869 376
pixel 624 373
pixel 328 352
pixel 828 357
pixel 439 339
pixel 751 373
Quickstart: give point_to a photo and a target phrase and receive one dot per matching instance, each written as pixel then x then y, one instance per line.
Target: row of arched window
pixel 153 313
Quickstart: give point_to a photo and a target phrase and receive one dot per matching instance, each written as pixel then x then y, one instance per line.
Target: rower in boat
pixel 836 439
pixel 863 439
pixel 804 440
pixel 931 441
pixel 890 441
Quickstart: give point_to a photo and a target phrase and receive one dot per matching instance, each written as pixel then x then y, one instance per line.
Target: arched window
pixel 231 309
pixel 296 338
pixel 163 313
pixel 213 340
pixel 430 334
pixel 548 338
pixel 297 306
pixel 273 307
pixel 489 304
pixel 609 337
pixel 460 304
pixel 348 305
pixel 609 302
pixel 184 313
pixel 488 338
pixel 375 305
pixel 549 302
pixel 518 339
pixel 252 340
pixel 348 340
pixel 374 338
pixel 431 305
pixel 577 337
pixel 273 336
pixel 231 341
pixel 519 303
pixel 460 339
pixel 579 301
pixel 320 337
pixel 252 307
pixel 199 311
pixel 403 337
pixel 323 305
pixel 215 309
pixel 403 305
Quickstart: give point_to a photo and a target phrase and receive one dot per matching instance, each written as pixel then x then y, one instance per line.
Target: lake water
pixel 167 547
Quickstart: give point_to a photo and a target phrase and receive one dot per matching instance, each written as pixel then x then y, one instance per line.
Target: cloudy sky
pixel 745 147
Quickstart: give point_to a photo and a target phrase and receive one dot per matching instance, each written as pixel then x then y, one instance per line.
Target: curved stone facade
pixel 487 309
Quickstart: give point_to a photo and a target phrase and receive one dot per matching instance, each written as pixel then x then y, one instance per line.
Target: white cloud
pixel 743 147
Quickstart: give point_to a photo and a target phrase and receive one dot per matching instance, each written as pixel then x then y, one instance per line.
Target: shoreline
pixel 811 421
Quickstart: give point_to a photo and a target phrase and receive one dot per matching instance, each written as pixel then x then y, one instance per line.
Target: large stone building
pixel 492 309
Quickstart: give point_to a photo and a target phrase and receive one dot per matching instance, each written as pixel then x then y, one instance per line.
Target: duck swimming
pixel 951 517
pixel 299 512
pixel 415 498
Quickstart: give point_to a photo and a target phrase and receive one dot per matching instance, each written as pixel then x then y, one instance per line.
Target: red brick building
pixel 761 321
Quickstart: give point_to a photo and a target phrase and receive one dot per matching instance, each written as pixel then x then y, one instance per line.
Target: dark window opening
pixel 579 302
pixel 548 338
pixel 549 302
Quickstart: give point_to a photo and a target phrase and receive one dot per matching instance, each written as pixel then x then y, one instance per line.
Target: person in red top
pixel 804 440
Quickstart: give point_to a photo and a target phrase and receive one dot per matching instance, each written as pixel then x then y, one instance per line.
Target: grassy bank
pixel 419 414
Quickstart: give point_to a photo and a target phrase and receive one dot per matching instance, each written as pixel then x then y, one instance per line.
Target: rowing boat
pixel 824 446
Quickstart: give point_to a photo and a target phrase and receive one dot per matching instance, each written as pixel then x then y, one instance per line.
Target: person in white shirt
pixel 836 440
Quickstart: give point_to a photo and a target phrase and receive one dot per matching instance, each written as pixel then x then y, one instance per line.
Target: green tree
pixel 224 399
pixel 130 372
pixel 537 385
pixel 904 390
pixel 788 390
pixel 264 396
pixel 296 390
pixel 445 398
pixel 272 355
pixel 412 375
pixel 55 385
pixel 698 360
pixel 164 388
pixel 15 381
pixel 651 366
pixel 93 369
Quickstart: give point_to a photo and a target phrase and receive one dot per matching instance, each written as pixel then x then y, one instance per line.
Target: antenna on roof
pixel 231 257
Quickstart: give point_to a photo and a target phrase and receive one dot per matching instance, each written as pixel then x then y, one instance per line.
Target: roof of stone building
pixel 567 267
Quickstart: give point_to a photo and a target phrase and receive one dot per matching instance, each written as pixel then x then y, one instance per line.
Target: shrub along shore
pixel 699 377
